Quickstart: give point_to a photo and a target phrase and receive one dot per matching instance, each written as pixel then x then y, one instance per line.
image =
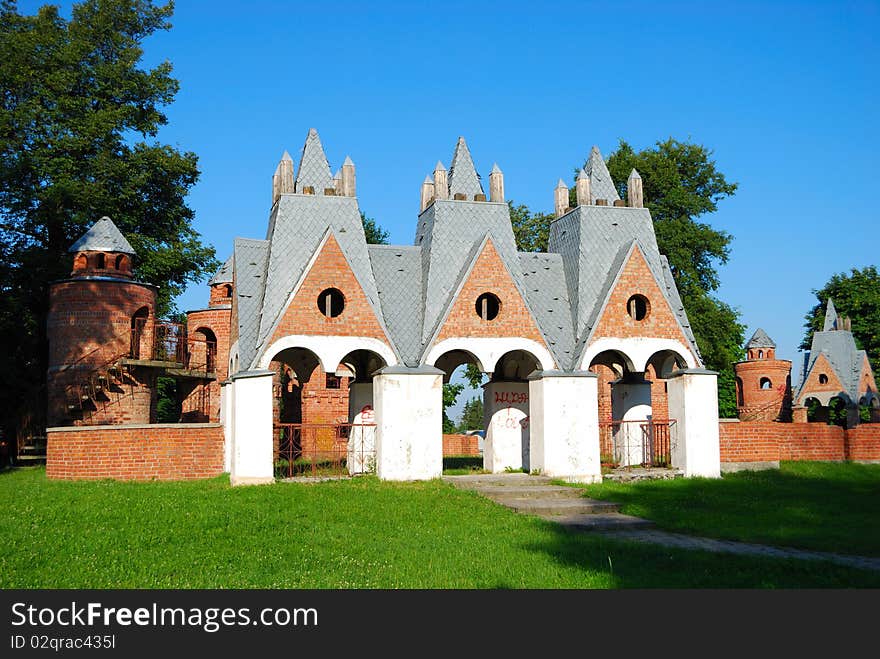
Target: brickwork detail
pixel 490 275
pixel 767 441
pixel 636 279
pixel 821 367
pixel 330 270
pixel 457 445
pixel 755 403
pixel 157 452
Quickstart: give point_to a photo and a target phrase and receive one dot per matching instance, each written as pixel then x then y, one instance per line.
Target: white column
pixel 564 425
pixel 362 438
pixel 693 403
pixel 408 405
pixel 252 448
pixel 227 392
pixel 630 402
pixel 506 410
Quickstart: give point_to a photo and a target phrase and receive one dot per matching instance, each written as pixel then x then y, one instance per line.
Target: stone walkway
pixel 567 506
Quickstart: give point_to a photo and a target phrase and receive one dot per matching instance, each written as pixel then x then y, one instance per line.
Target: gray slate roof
pixel 839 347
pixel 594 242
pixel 249 263
pixel 314 170
pixel 398 273
pixel 298 225
pixel 830 317
pixel 547 297
pixel 601 184
pixel 463 177
pixel 103 236
pixel 760 340
pixel 224 274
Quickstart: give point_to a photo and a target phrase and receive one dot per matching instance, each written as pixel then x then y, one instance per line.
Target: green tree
pixel 531 230
pixel 451 392
pixel 375 234
pixel 856 296
pixel 472 415
pixel 78 122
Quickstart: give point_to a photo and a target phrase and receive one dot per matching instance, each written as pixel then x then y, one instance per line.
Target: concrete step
pixel 498 492
pixel 600 522
pixel 556 507
pixel 515 479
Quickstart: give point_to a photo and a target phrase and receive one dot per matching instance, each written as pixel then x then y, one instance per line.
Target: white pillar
pixel 630 402
pixel 564 425
pixel 252 447
pixel 227 392
pixel 693 403
pixel 408 405
pixel 506 410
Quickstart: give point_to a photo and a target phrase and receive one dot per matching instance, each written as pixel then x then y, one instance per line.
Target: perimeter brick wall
pixel 135 452
pixel 768 441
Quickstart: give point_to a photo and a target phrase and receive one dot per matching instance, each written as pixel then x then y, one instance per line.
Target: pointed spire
pixel 282 179
pixel 560 195
pixel 348 178
pixel 426 193
pixel 463 177
pixel 441 187
pixel 601 184
pixel 830 317
pixel 314 170
pixel 286 156
pixel 634 191
pixel 582 189
pixel 102 236
pixel 496 184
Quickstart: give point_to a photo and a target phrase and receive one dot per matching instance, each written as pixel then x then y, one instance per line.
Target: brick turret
pixel 763 383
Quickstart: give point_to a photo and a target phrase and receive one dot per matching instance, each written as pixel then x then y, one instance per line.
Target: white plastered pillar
pixel 227 391
pixel 506 410
pixel 693 403
pixel 252 428
pixel 408 405
pixel 564 425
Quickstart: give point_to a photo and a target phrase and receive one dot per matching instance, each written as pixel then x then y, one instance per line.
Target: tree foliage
pixel 451 391
pixel 531 230
pixel 78 122
pixel 374 233
pixel 857 296
pixel 472 415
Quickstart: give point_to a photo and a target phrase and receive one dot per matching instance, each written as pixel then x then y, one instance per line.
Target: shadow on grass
pixel 820 506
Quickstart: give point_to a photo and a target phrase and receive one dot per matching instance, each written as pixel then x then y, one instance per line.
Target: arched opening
pixel 760 354
pixel 323 420
pixel 121 263
pixel 100 262
pixel 138 333
pixel 739 392
pixel 463 377
pixel 765 384
pixel 80 262
pixel 203 350
pixel 823 379
pixel 816 412
pixel 506 412
pixel 200 397
pixel 227 290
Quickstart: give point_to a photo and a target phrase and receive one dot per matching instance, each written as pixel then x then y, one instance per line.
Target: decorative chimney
pixel 441 186
pixel 337 182
pixel 427 193
pixel 561 198
pixel 282 180
pixel 496 184
pixel 348 180
pixel 634 192
pixel 582 188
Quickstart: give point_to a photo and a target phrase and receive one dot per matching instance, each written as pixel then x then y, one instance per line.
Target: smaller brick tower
pixel 96 318
pixel 763 383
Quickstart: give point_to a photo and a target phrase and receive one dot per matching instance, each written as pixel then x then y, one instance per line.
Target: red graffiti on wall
pixel 511 397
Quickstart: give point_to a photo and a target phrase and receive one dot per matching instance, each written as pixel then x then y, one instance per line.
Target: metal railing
pixel 324 449
pixel 169 342
pixel 646 443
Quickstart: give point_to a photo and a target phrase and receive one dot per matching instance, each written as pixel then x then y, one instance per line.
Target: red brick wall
pixel 217 321
pixel 762 404
pixel 767 441
pixel 461 445
pixel 659 397
pixel 157 452
pixel 489 275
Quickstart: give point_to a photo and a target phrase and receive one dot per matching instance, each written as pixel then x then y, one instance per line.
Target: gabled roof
pixel 224 274
pixel 601 184
pixel 314 170
pixel 249 264
pixel 760 340
pixel 103 236
pixel 463 177
pixel 839 348
pixel 547 297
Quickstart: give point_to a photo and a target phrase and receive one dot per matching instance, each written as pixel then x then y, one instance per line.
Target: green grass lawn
pixel 341 534
pixel 811 505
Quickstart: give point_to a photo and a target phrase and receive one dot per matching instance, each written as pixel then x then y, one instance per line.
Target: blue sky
pixel 785 94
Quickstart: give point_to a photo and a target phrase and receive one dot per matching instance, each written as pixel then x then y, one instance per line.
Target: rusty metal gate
pixel 324 449
pixel 646 443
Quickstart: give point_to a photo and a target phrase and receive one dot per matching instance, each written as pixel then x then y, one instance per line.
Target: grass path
pixel 346 534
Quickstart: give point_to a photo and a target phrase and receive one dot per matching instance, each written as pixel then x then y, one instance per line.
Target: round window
pixel 823 379
pixel 488 306
pixel 331 302
pixel 638 307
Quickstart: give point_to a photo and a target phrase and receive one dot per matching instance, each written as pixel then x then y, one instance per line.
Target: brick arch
pixel 330 350
pixel 487 351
